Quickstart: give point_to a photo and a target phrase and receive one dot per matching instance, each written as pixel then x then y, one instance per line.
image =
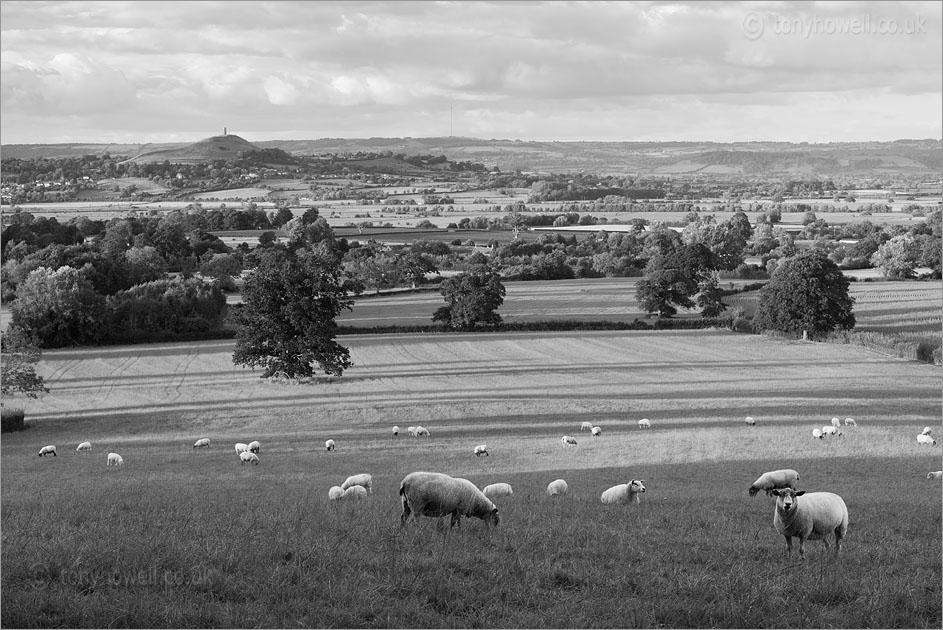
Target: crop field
pixel 183 537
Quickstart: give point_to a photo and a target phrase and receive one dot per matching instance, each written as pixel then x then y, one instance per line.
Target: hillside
pixel 214 148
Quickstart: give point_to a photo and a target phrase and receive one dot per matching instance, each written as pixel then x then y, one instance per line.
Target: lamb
pixel 364 480
pixel 568 441
pixel 498 491
pixel 769 481
pixel 925 439
pixel 481 449
pixel 48 450
pixel 354 493
pixel 254 447
pixel 623 493
pixel 750 421
pixel 395 430
pixel 557 488
pixel 437 495
pixel 247 456
pixel 586 426
pixel 644 424
pixel 817 433
pixel 935 475
pixel 816 516
pixel 330 445
pixel 836 422
pixel 202 443
pixel 84 446
pixel 926 431
pixel 335 493
pixel 422 432
pixel 830 430
pixel 597 431
pixel 850 422
pixel 114 460
pixel 241 448
pixel 411 431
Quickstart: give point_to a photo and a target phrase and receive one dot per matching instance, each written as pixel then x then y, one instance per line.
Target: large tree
pixel 472 299
pixel 674 277
pixel 60 307
pixel 807 293
pixel 20 355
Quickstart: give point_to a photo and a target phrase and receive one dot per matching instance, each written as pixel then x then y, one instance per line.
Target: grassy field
pixel 179 537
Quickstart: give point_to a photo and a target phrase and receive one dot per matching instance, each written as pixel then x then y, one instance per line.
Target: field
pixel 179 537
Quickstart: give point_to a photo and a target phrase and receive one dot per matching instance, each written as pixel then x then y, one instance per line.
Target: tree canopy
pixel 472 299
pixel 20 355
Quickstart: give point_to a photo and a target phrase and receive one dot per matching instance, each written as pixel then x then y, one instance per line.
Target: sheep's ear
pixel 774 492
pixel 800 493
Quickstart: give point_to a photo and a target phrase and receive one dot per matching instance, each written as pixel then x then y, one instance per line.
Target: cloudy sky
pixel 635 71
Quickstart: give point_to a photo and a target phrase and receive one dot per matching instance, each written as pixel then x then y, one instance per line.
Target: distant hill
pixel 206 150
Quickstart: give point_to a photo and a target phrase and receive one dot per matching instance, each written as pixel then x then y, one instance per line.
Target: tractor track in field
pixel 111 379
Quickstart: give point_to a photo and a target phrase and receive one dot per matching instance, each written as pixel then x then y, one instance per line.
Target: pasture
pixel 179 537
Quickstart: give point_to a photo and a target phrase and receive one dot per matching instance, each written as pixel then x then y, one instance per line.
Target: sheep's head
pixel 786 499
pixel 492 518
pixel 636 485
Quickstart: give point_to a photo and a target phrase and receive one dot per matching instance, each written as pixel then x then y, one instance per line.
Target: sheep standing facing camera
pixel 812 517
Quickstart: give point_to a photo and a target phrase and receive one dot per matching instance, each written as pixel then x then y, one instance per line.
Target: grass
pixel 179 537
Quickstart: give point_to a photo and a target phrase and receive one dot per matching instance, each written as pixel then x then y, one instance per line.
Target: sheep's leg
pixel 456 520
pixel 801 547
pixel 406 510
pixel 788 546
pixel 837 541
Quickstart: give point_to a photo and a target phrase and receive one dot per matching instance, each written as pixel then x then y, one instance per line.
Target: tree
pixel 807 293
pixel 472 299
pixel 288 318
pixel 898 256
pixel 20 356
pixel 673 278
pixel 59 307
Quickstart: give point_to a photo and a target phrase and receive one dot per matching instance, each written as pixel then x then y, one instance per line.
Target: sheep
pixel 586 426
pixel 422 432
pixel 498 491
pixel 114 460
pixel 830 430
pixel 926 431
pixel 769 481
pixel 84 446
pixel 247 456
pixel 644 424
pixel 568 441
pixel 411 431
pixel 817 433
pixel 48 450
pixel 354 493
pixel 925 439
pixel 437 495
pixel 364 480
pixel 482 449
pixel 335 493
pixel 597 431
pixel 202 443
pixel 557 488
pixel 850 422
pixel 330 445
pixel 395 430
pixel 935 475
pixel 816 516
pixel 623 493
pixel 836 422
pixel 241 448
pixel 750 421
pixel 254 447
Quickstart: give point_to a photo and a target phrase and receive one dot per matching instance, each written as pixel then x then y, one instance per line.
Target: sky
pixel 138 72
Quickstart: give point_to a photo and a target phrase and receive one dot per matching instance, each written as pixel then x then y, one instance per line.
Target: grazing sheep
pixel 568 441
pixel 364 480
pixel 354 493
pixel 557 488
pixel 586 426
pixel 84 446
pixel 623 493
pixel 329 445
pixel 836 422
pixel 411 431
pixel 498 491
pixel 395 430
pixel 926 431
pixel 816 516
pixel 202 443
pixel 750 421
pixel 247 456
pixel 437 495
pixel 422 432
pixel 926 439
pixel 769 481
pixel 830 430
pixel 817 433
pixel 850 422
pixel 48 450
pixel 254 447
pixel 241 448
pixel 114 460
pixel 481 449
pixel 644 424
pixel 597 431
pixel 335 493
pixel 935 475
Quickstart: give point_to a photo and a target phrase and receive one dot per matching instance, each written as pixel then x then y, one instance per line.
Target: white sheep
pixel 623 493
pixel 247 456
pixel 354 493
pixel 557 488
pixel 926 431
pixel 202 443
pixel 597 431
pixel 330 445
pixel 498 491
pixel 830 430
pixel 335 493
pixel 817 433
pixel 814 517
pixel 749 421
pixel 84 446
pixel 395 430
pixel 422 432
pixel 114 460
pixel 568 441
pixel 254 447
pixel 364 480
pixel 644 424
pixel 241 448
pixel 774 479
pixel 586 426
pixel 411 431
pixel 935 475
pixel 850 422
pixel 437 495
pixel 836 422
pixel 48 450
pixel 481 449
pixel 926 439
